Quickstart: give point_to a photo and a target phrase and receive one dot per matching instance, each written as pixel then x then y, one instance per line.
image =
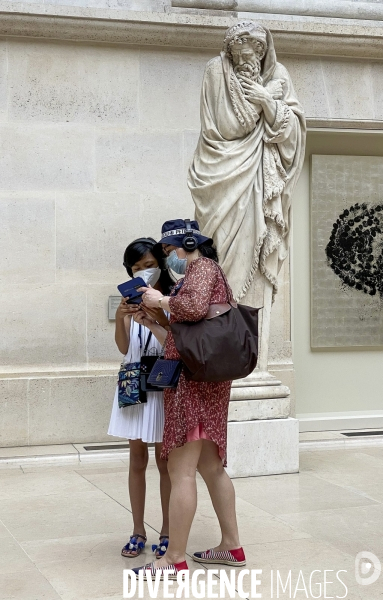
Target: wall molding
pixel 335 9
pixel 340 421
pixel 180 29
pixel 112 25
pixel 344 125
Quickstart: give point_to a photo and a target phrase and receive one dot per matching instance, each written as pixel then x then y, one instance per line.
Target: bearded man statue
pixel 248 159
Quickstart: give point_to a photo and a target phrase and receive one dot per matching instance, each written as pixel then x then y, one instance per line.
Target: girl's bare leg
pixel 165 487
pixel 137 485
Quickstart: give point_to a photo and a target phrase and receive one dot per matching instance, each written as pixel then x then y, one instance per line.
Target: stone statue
pixel 247 162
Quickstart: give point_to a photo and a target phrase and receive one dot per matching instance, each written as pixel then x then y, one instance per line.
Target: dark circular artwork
pixel 355 251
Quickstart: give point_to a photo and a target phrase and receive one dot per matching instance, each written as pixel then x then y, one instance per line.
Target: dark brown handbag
pixel 221 347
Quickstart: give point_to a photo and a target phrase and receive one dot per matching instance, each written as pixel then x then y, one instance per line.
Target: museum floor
pixel 62 526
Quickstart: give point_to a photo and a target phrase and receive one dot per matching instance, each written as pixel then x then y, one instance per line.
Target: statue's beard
pixel 249 70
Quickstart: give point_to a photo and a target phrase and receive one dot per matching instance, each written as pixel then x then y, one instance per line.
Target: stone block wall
pixel 95 143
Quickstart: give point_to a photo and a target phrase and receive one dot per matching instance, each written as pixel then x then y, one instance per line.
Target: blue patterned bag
pixel 130 391
pixel 129 385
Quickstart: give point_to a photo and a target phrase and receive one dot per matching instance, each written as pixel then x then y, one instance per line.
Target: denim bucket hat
pixel 173 232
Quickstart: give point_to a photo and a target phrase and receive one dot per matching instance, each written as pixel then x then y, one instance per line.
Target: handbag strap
pixel 230 298
pixel 147 343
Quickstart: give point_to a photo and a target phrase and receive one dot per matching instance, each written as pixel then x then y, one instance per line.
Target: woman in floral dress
pixel 195 430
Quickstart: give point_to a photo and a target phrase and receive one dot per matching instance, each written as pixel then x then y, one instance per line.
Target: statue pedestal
pixel 262 438
pixel 263 447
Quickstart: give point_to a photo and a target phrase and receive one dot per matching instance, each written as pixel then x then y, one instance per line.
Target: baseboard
pixel 338 421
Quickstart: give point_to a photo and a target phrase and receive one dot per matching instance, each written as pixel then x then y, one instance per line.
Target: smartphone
pixel 129 290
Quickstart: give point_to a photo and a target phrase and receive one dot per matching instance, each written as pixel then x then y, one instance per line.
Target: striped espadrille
pixel 172 570
pixel 233 558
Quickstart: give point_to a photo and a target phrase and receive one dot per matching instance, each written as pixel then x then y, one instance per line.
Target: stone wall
pixel 95 144
pixel 96 139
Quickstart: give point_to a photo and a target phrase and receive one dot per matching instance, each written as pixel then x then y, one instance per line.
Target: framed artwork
pixel 346 251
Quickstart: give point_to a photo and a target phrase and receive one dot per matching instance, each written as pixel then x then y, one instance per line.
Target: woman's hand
pixel 157 314
pixel 150 297
pixel 143 319
pixel 125 309
pixel 159 332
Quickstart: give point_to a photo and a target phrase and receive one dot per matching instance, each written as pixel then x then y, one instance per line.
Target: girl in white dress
pixel 142 424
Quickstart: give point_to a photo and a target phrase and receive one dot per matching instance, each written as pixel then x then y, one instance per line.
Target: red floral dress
pixel 194 404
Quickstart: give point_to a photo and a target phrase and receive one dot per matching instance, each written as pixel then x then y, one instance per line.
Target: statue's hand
pixel 254 92
pixel 275 88
pixel 257 94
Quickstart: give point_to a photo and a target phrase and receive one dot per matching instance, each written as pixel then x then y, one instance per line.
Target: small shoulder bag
pixel 129 388
pixel 165 373
pixel 147 363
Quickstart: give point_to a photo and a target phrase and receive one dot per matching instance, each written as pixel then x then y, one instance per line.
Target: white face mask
pixel 150 276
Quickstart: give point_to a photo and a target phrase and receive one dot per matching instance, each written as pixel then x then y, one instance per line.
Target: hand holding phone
pixel 126 310
pixel 129 290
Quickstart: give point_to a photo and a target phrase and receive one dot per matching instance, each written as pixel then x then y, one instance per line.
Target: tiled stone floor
pixel 62 526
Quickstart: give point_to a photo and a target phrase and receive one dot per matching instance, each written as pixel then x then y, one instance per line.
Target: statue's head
pixel 245 44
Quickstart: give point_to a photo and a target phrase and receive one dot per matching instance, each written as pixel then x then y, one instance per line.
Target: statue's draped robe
pixel 244 171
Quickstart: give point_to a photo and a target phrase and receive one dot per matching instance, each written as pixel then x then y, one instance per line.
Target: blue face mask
pixel 178 265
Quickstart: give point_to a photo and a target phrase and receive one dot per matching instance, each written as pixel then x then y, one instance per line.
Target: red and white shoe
pixel 233 558
pixel 172 570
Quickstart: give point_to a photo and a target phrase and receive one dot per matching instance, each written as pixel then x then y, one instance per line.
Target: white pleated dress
pixel 143 421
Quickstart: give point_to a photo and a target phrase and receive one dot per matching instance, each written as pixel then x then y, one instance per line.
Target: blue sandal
pixel 162 546
pixel 134 546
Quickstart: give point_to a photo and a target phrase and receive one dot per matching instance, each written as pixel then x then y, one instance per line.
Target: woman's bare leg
pixel 182 467
pixel 138 461
pixel 222 494
pixel 165 487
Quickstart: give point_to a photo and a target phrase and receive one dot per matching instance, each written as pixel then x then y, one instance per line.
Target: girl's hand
pixel 142 319
pixel 157 314
pixel 125 309
pixel 150 297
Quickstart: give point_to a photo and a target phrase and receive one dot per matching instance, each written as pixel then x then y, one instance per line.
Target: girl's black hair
pixel 137 249
pixel 208 250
